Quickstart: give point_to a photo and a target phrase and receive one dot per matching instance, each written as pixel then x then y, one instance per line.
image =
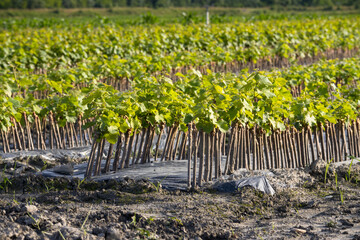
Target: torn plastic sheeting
pixel 260 183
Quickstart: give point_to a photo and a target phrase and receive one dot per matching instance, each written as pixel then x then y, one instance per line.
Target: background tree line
pixel 31 4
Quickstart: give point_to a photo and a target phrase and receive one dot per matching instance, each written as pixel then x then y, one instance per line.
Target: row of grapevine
pixel 25 118
pixel 44 134
pixel 257 120
pixel 112 52
pixel 56 81
pixel 55 121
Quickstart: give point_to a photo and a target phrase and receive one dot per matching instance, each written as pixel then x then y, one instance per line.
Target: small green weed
pixel 83 224
pixel 49 188
pixel 331 224
pixel 79 183
pixel 44 167
pixel 327 169
pixel 36 223
pixel 146 233
pixel 348 174
pixel 15 163
pixel 30 201
pixel 177 220
pixel 133 222
pixel 158 184
pixel 14 199
pixel 150 220
pixel 336 181
pixel 61 235
pixel 4 185
pixel 341 196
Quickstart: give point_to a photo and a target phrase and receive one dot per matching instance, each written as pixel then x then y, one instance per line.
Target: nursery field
pixel 274 98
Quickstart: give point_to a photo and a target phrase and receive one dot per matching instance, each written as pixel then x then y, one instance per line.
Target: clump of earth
pixel 306 205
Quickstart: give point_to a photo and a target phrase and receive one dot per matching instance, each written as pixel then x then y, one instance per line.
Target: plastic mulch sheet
pixel 260 183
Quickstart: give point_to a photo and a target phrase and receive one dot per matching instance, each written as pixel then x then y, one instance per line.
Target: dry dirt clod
pixel 299 230
pixel 61 221
pixel 73 233
pixel 29 209
pixel 318 167
pixel 29 220
pixel 67 169
pixel 346 223
pixel 113 233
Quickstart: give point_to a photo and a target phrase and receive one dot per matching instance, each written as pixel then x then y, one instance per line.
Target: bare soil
pixel 305 206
